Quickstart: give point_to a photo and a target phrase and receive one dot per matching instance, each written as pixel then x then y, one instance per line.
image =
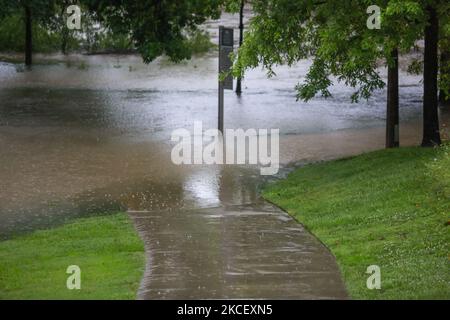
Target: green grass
pixel 106 248
pixel 388 208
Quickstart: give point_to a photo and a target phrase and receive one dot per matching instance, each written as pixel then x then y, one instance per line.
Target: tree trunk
pixel 431 134
pixel 64 31
pixel 392 116
pixel 444 99
pixel 241 38
pixel 28 37
pixel 64 36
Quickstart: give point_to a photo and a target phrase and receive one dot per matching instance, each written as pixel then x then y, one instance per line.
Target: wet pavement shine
pixel 234 252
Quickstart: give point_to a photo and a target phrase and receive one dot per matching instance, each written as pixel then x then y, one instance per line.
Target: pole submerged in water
pixel 241 38
pixel 226 44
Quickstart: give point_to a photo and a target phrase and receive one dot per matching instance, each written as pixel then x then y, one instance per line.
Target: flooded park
pixel 84 135
pixel 64 129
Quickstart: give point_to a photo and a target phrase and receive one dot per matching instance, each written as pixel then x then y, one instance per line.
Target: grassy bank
pixel 107 250
pixel 388 208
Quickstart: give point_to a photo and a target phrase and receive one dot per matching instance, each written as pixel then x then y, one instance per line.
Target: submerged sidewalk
pixel 250 251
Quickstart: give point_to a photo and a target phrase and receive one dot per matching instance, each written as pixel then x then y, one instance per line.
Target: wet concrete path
pixel 253 251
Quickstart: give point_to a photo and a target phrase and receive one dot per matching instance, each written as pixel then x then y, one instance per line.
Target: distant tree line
pixel 150 27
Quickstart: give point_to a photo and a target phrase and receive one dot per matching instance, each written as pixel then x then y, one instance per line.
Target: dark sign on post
pixel 227 37
pixel 226 40
pixel 226 43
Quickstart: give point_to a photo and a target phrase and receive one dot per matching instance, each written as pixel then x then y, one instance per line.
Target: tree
pixel 34 12
pixel 444 65
pixel 334 33
pixel 400 29
pixel 340 43
pixel 431 134
pixel 156 27
pixel 61 24
pixel 392 113
pixel 28 36
pixel 444 92
pixel 241 39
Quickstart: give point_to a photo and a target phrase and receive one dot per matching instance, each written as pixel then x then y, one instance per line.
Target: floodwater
pixel 65 127
pixel 84 135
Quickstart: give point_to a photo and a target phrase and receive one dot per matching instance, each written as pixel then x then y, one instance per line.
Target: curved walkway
pixel 250 251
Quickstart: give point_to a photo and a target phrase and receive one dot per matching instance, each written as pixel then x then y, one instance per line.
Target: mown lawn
pixel 388 208
pixel 106 248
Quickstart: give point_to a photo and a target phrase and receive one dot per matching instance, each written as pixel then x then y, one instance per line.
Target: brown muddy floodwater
pixel 91 135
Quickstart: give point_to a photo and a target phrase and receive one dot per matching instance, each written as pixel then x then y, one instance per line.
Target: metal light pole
pixel 241 38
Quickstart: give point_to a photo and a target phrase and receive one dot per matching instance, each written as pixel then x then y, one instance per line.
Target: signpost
pixel 226 44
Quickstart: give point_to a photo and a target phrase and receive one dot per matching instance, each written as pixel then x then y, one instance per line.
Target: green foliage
pixel 47 35
pixel 444 74
pixel 416 66
pixel 12 36
pixel 233 6
pixel 107 41
pixel 42 10
pixel 107 249
pixel 156 27
pixel 199 42
pixel 335 34
pixel 389 208
pixel 50 37
pixel 115 42
pixel 152 27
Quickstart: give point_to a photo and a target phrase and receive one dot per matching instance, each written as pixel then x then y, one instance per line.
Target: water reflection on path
pixel 234 252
